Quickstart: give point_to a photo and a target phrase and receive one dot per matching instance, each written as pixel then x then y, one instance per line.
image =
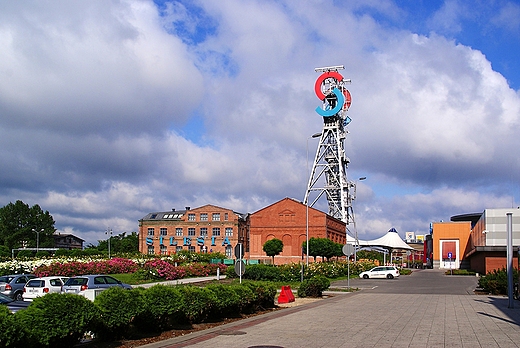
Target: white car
pixel 38 287
pixel 389 272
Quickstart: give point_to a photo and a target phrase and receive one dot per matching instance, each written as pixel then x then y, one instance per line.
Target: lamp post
pixel 315 135
pixel 37 238
pixel 355 227
pixel 109 233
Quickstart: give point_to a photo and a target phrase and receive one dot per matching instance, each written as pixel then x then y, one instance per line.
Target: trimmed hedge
pixel 313 287
pixel 61 320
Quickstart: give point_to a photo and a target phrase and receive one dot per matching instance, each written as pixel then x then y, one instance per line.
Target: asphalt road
pixel 421 281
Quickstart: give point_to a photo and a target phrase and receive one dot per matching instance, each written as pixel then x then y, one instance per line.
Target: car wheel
pixel 389 276
pixel 365 276
pixel 18 296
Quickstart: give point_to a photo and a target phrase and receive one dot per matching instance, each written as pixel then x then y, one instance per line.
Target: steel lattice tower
pixel 329 171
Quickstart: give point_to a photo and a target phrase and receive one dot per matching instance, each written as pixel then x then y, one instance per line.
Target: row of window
pixel 192 248
pixel 203 231
pixel 204 217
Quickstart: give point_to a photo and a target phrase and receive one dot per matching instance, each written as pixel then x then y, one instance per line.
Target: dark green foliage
pixel 57 320
pixel 264 294
pixel 24 254
pixel 122 243
pixel 198 303
pixel 313 287
pixel 118 307
pixel 246 296
pixel 323 247
pixel 162 308
pixel 62 252
pixel 273 247
pixel 42 254
pixel 227 303
pixel 262 272
pixel 495 282
pixel 17 221
pixel 11 334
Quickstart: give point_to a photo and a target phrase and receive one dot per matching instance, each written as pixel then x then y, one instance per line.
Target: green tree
pixel 121 243
pixel 18 223
pixel 273 247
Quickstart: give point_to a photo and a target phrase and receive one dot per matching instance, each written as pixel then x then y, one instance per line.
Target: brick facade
pixel 287 220
pixel 205 229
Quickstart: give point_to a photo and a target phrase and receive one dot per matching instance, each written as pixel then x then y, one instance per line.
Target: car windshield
pixel 5 279
pixel 5 299
pixel 35 284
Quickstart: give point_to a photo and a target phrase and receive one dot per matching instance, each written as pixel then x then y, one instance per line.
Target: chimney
pixel 173 209
pixel 187 208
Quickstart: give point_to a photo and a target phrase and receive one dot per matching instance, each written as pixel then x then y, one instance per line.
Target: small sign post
pixel 449 257
pixel 240 267
pixel 348 250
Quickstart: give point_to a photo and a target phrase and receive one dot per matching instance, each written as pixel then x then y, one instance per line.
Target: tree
pixel 273 247
pixel 121 243
pixel 323 247
pixel 17 222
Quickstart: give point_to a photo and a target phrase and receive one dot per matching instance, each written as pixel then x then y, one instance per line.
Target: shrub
pixel 262 272
pixel 117 308
pixel 264 294
pixel 57 320
pixel 24 254
pixel 247 297
pixel 11 334
pixel 313 287
pixel 227 301
pixel 162 308
pixel 495 282
pixel 197 303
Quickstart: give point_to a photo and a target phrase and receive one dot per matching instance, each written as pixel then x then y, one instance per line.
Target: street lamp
pixel 109 233
pixel 37 238
pixel 355 227
pixel 315 135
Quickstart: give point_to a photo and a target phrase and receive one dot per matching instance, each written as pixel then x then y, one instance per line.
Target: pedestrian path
pixel 372 319
pixel 366 320
pixel 181 281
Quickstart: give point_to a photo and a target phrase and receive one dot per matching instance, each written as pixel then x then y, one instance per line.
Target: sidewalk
pixel 370 319
pixel 180 281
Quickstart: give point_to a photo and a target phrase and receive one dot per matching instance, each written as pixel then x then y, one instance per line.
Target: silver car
pixel 12 285
pixel 78 285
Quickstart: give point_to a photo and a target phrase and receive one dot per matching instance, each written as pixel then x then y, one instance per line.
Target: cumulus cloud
pixel 111 110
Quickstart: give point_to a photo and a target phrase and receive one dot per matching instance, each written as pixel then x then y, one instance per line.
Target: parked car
pixel 12 285
pixel 79 284
pixel 389 272
pixel 12 305
pixel 38 287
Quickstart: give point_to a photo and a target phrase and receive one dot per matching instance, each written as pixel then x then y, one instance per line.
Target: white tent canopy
pixel 390 240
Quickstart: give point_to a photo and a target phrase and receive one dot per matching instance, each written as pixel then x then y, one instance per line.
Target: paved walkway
pixel 371 319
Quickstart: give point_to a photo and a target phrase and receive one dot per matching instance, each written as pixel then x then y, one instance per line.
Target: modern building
pixel 476 241
pixel 287 220
pixel 205 229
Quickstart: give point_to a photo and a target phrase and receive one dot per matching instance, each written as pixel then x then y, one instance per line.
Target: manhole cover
pixel 231 332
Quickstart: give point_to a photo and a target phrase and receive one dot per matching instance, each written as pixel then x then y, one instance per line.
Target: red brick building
pixel 287 220
pixel 205 229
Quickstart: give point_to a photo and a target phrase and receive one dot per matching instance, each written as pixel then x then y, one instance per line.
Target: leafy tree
pixel 323 247
pixel 121 243
pixel 273 247
pixel 17 222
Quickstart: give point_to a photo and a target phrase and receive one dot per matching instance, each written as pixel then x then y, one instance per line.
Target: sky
pixel 110 110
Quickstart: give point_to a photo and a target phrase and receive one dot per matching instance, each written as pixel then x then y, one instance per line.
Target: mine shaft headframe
pixel 330 89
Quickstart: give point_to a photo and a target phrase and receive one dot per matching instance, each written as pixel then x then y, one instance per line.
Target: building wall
pixel 446 232
pixel 287 220
pixel 205 229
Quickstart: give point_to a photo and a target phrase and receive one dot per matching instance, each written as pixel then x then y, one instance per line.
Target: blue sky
pixel 112 110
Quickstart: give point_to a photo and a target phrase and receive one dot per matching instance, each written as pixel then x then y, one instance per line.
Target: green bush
pixel 228 302
pixel 62 252
pixel 57 320
pixel 313 287
pixel 495 282
pixel 11 334
pixel 162 308
pixel 42 254
pixel 262 272
pixel 117 307
pixel 24 254
pixel 264 294
pixel 197 303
